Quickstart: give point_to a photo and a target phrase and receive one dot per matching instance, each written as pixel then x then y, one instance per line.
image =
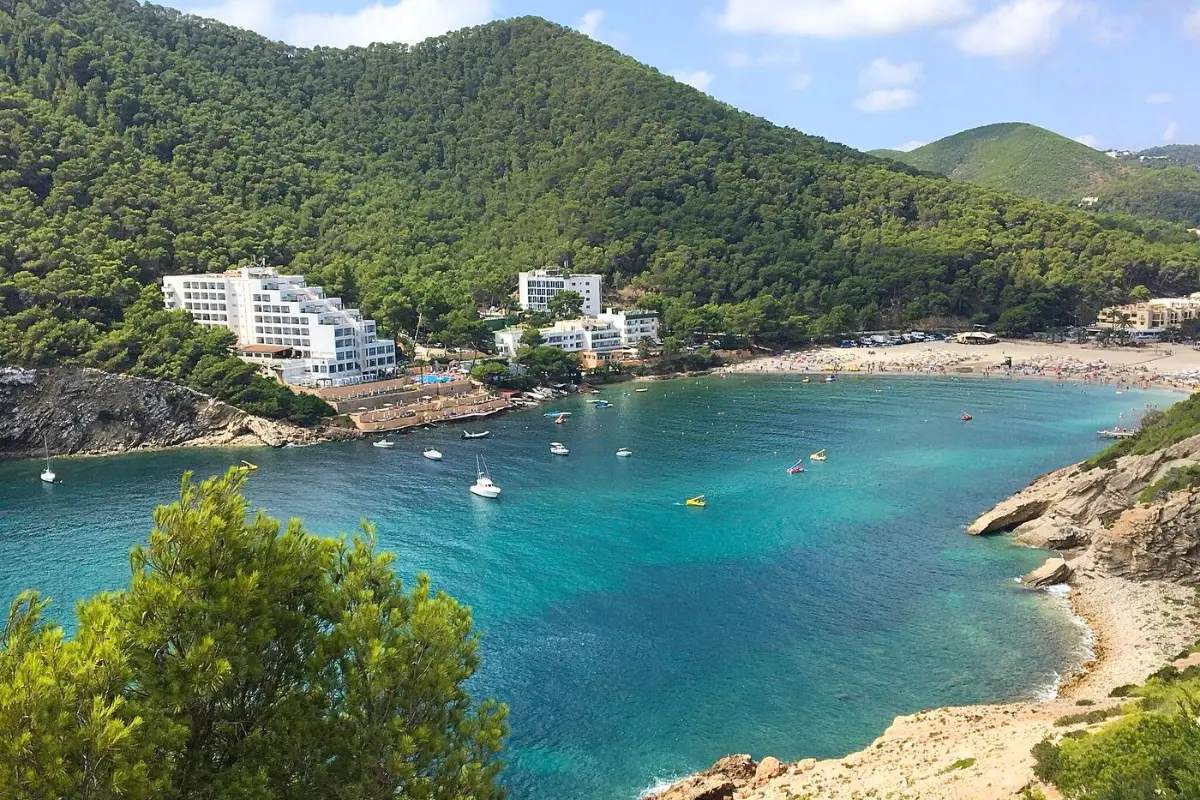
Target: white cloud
pixel 908 147
pixel 1018 29
pixel 1191 23
pixel 883 74
pixel 800 81
pixel 887 85
pixel 256 15
pixel 406 21
pixel 1088 139
pixel 839 19
pixel 1171 132
pixel 590 24
pixel 1160 98
pixel 696 78
pixel 882 100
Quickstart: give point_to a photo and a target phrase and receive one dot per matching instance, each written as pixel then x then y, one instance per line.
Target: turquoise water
pixel 635 639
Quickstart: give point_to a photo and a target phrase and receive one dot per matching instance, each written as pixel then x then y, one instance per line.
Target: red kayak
pixel 967 417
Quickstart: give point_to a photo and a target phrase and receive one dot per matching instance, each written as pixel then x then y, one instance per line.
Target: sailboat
pixel 47 475
pixel 483 486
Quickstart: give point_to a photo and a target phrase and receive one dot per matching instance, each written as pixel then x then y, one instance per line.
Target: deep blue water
pixel 636 639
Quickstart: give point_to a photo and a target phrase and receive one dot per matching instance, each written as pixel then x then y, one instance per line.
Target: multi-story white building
pixel 1151 316
pixel 279 319
pixel 634 325
pixel 572 335
pixel 537 287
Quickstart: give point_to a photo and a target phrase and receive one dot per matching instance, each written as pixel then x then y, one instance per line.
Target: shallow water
pixel 636 639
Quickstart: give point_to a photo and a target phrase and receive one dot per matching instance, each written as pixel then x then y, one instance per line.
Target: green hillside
pixel 1019 158
pixel 416 181
pixel 1034 162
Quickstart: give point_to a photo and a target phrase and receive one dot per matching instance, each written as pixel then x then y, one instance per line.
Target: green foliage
pixel 1089 717
pixel 490 372
pixel 1019 158
pixel 532 337
pixel 1176 479
pixel 250 661
pixel 565 305
pixel 962 763
pixel 1034 162
pixel 1158 430
pixel 416 181
pixel 549 364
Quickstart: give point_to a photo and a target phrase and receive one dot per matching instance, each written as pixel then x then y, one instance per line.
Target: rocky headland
pixel 89 412
pixel 1131 562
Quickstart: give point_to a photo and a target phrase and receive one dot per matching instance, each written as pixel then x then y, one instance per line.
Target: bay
pixel 636 639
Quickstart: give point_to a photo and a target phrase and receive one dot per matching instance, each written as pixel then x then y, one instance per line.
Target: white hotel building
pixel 281 321
pixel 537 287
pixel 601 335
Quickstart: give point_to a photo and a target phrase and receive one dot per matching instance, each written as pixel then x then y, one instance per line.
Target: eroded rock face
pixel 88 411
pixel 1161 540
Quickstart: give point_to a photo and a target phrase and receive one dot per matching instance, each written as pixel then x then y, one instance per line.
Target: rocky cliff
pixel 1094 517
pixel 86 411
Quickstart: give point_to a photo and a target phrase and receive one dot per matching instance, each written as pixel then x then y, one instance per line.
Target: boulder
pixel 805 765
pixel 1051 532
pixel 1055 570
pixel 768 769
pixel 1158 541
pixel 1009 514
pixel 739 767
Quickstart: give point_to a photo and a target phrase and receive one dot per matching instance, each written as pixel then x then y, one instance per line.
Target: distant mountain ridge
pixel 1160 183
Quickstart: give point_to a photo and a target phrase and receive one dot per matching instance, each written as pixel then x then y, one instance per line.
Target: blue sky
pixel 869 73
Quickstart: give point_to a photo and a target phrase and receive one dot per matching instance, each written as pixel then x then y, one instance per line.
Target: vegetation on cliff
pixel 415 181
pixel 1151 753
pixel 1157 430
pixel 247 659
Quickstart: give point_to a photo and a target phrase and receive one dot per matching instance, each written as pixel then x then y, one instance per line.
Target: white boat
pixel 641 390
pixel 483 486
pixel 47 475
pixel 559 449
pixel 432 455
pixel 624 452
pixel 384 443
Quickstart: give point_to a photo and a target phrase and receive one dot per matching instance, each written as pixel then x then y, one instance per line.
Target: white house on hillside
pixel 572 335
pixel 634 324
pixel 281 321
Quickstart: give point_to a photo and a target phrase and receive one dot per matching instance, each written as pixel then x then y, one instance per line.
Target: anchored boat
pixel 559 449
pixel 624 452
pixel 385 443
pixel 432 455
pixel 47 475
pixel 483 486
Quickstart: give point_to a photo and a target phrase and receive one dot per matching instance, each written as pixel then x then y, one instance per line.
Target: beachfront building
pixel 283 323
pixel 535 288
pixel 977 337
pixel 1152 316
pixel 634 324
pixel 572 335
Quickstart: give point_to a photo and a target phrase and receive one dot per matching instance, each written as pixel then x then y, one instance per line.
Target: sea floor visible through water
pixel 635 639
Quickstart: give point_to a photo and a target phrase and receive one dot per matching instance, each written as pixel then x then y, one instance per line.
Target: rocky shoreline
pixel 1126 563
pixel 84 411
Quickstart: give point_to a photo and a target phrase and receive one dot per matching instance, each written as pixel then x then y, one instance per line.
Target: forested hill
pixel 136 141
pixel 1034 162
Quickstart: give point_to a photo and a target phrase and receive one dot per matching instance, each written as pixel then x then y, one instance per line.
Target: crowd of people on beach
pixel 989 362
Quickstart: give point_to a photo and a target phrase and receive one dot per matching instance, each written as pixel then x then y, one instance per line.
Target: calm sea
pixel 636 639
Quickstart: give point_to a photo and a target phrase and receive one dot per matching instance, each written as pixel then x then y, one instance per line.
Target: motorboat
pixel 643 389
pixel 603 404
pixel 480 435
pixel 796 468
pixel 483 486
pixel 384 443
pixel 830 378
pixel 1116 433
pixel 47 475
pixel 559 449
pixel 699 501
pixel 818 456
pixel 431 454
pixel 624 452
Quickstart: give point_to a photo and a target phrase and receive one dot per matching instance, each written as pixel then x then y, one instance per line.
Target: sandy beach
pixel 983 752
pixel 1168 366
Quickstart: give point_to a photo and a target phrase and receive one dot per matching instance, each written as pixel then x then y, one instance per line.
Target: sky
pixel 868 73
